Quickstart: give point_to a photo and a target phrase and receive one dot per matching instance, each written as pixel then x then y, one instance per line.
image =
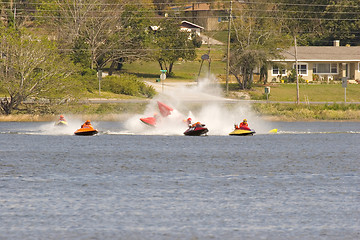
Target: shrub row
pixel 127 84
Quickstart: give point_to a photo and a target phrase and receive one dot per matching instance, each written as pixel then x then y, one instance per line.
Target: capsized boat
pixel 242 132
pixel 151 121
pixel 197 130
pixel 164 110
pixel 86 131
pixel 61 123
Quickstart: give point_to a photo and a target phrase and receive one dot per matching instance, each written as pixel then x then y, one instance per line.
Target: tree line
pixel 44 43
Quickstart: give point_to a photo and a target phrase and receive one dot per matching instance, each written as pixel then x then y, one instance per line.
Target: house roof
pixel 322 54
pixel 205 7
pixel 198 7
pixel 188 24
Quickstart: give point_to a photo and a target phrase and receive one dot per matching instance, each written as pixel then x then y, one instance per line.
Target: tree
pixel 135 22
pixel 16 13
pixel 342 22
pixel 171 45
pixel 298 21
pixel 102 31
pixel 307 23
pixel 28 67
pixel 255 38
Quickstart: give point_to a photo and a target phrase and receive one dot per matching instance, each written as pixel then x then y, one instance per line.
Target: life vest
pixel 243 125
pixel 86 126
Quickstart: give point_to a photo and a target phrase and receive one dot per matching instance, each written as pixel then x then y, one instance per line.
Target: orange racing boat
pixel 86 131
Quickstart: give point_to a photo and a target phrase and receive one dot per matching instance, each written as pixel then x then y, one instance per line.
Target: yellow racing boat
pixel 242 132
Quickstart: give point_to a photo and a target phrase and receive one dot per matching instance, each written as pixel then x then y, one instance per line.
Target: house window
pixel 302 69
pixel 359 66
pixel 276 71
pixel 325 68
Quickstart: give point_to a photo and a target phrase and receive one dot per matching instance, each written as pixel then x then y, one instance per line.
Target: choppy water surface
pixel 302 183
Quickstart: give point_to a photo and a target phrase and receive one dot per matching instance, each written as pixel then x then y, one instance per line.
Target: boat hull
pixel 85 132
pixel 61 123
pixel 197 131
pixel 151 121
pixel 242 132
pixel 164 109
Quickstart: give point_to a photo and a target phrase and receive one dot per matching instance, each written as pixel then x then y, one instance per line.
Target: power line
pixel 179 4
pixel 203 17
pixel 273 11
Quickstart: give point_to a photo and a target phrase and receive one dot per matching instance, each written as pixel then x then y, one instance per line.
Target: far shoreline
pixel 125 116
pixel 54 118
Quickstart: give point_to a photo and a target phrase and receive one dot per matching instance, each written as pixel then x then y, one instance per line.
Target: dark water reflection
pixel 300 184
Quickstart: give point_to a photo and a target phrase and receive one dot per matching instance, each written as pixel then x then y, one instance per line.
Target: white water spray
pixel 73 124
pixel 202 102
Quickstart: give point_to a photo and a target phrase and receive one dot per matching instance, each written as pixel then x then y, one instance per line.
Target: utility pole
pixel 100 78
pixel 15 17
pixel 297 73
pixel 13 8
pixel 228 51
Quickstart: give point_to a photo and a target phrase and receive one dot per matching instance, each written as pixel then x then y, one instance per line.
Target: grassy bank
pixel 97 112
pixel 122 111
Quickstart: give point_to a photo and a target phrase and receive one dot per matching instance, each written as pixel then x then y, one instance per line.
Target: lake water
pixel 302 183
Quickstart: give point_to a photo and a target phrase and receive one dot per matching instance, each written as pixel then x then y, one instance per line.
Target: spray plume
pixel 202 102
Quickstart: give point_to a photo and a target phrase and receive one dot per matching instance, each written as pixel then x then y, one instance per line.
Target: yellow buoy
pixel 273 130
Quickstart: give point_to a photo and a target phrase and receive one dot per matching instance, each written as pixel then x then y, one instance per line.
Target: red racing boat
pixel 197 130
pixel 165 111
pixel 151 121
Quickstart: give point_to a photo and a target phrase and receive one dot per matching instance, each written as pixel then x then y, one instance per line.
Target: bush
pixel 197 40
pixel 88 78
pixel 128 85
pixel 291 78
pixel 316 78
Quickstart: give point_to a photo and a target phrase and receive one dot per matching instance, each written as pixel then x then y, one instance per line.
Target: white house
pixel 187 26
pixel 327 62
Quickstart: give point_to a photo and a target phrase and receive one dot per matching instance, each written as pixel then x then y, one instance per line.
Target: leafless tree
pixel 28 66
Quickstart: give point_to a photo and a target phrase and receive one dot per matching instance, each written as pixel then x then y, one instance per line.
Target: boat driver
pixel 62 118
pixel 188 121
pixel 87 124
pixel 243 124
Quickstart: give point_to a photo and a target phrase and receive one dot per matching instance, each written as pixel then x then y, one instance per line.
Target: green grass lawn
pixel 183 70
pixel 189 70
pixel 221 36
pixel 310 92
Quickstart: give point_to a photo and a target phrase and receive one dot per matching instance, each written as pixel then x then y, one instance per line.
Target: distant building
pixel 185 26
pixel 210 16
pixel 319 62
pixel 191 27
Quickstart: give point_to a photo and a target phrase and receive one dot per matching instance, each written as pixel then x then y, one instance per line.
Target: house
pixel 189 27
pixel 208 15
pixel 318 62
pixel 185 26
